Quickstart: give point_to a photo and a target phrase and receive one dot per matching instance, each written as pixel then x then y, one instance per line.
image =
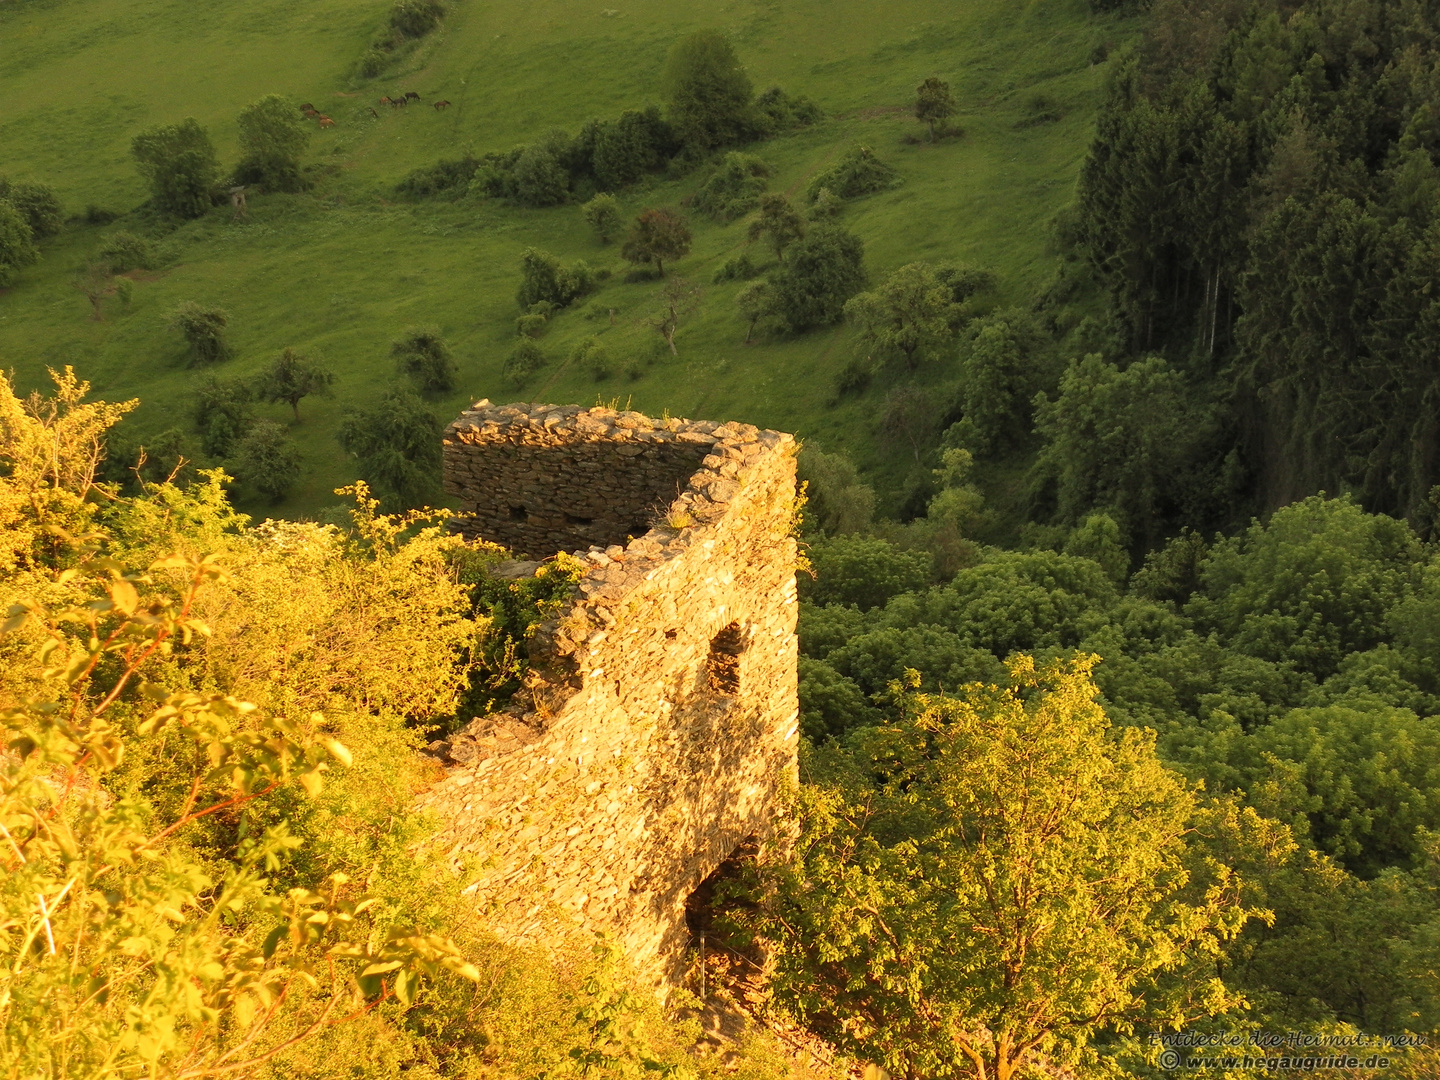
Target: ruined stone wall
pixel 659 721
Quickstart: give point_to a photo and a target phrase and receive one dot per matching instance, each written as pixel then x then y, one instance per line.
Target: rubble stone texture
pixel 657 726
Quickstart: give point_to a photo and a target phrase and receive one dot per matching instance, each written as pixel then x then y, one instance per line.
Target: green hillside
pixel 339 270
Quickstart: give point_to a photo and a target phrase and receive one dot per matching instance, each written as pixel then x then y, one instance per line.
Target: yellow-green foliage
pixel 209 855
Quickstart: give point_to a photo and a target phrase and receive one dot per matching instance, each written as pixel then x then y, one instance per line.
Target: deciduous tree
pixel 17 243
pixel 396 443
pixel 602 213
pixel 934 104
pixel 985 884
pixel 780 221
pixel 656 235
pixel 203 329
pixel 910 317
pixel 675 300
pixel 179 163
pixel 291 377
pixel 824 270
pixel 421 353
pixel 268 460
pixel 707 91
pixel 272 138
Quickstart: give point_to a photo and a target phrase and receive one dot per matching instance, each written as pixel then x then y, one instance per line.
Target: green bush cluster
pixel 859 172
pixel 734 188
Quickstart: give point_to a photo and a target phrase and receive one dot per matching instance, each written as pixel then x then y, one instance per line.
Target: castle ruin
pixel 657 725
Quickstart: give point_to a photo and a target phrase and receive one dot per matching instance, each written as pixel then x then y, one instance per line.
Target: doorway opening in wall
pixel 716 956
pixel 722 667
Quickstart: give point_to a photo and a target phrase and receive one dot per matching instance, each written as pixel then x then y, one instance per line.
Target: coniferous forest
pixel 1109 331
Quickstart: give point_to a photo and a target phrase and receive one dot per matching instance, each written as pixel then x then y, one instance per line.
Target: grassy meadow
pixel 339 270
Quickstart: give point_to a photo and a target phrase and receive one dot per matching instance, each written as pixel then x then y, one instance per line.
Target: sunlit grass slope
pixel 339 270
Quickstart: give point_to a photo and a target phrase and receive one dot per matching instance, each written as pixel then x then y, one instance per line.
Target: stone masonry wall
pixel 658 724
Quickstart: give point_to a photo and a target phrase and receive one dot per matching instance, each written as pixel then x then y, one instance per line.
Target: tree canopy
pixel 707 92
pixel 179 163
pixel 272 138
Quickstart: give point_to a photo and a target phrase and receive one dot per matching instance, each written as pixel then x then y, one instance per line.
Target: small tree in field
pixel 38 205
pixel 397 445
pixel 909 317
pixel 657 235
pixel 982 886
pixel 709 95
pixel 934 104
pixel 204 331
pixel 291 377
pixel 780 221
pixel 676 299
pixel 223 414
pixel 17 243
pixel 272 138
pixel 755 301
pixel 268 460
pixel 179 163
pixel 95 282
pixel 421 353
pixel 602 213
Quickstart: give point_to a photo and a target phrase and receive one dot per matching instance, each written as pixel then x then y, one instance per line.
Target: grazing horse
pixel 399 101
pixel 325 121
pixel 441 105
pixel 385 100
pixel 307 108
pixel 411 95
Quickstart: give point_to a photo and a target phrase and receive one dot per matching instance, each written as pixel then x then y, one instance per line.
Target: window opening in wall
pixel 723 667
pixel 714 952
pixel 518 513
pixel 576 519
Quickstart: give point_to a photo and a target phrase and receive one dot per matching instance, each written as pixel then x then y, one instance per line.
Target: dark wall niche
pixel 722 667
pixel 538 500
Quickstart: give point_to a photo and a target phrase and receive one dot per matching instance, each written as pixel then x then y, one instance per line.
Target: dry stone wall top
pixel 658 723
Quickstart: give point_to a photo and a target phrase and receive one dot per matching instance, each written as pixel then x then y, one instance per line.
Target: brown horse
pixel 411 95
pixel 385 100
pixel 325 121
pixel 441 105
pixel 307 108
